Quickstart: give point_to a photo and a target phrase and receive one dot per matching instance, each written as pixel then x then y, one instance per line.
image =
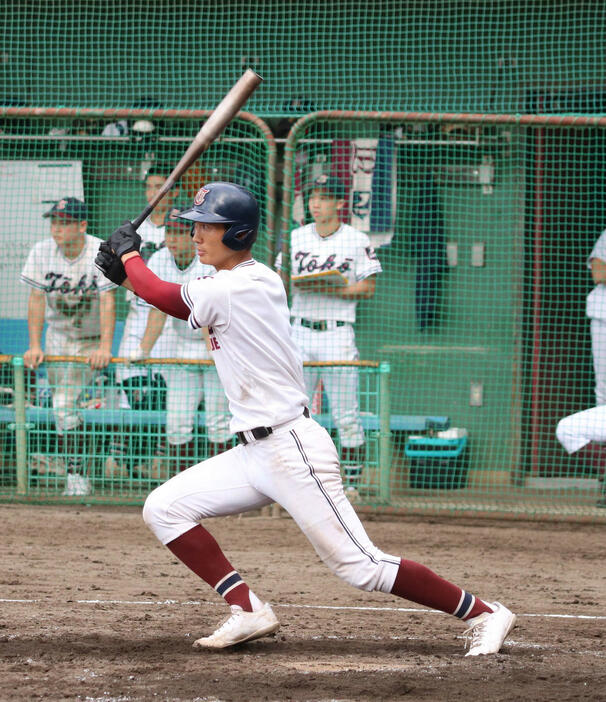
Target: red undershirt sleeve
pixel 159 293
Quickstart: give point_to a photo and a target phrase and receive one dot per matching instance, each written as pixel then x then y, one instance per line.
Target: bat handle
pixel 138 221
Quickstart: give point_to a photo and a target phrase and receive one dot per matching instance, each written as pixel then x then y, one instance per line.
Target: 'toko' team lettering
pixel 308 263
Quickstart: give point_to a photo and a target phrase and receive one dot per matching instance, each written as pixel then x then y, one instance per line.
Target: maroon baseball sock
pixel 417 583
pixel 200 552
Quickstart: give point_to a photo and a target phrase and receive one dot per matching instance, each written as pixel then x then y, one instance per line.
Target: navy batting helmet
pixel 230 204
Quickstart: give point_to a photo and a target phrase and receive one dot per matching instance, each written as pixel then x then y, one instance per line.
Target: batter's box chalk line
pixel 342 608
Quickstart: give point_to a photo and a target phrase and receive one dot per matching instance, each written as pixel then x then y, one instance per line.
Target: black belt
pixel 319 326
pixel 261 432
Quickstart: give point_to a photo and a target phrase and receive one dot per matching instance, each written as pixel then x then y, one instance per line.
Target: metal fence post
pixel 20 425
pixel 384 432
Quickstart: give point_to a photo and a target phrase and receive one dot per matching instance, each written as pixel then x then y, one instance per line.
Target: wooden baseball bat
pixel 219 118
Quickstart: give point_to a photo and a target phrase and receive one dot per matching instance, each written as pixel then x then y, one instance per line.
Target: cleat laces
pixel 475 633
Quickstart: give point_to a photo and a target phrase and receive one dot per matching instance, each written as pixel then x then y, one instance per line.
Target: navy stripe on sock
pixel 463 609
pixel 228 583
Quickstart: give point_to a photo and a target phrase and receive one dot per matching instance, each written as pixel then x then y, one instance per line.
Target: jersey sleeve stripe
pixel 33 283
pixel 192 321
pixel 185 295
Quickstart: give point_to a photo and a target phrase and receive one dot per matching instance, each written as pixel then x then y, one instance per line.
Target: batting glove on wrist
pixel 109 264
pixel 124 239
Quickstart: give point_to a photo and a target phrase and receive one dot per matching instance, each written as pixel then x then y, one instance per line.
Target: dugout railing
pixel 34 469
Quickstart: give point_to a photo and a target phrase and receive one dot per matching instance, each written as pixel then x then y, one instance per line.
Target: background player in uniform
pixel 596 311
pixel 284 456
pixel 323 315
pixel 134 379
pixel 185 385
pixel 584 434
pixel 77 302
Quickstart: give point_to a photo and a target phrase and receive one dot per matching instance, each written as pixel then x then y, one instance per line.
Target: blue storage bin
pixel 437 463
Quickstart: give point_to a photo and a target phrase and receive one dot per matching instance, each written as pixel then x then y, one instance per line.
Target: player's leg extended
pixel 342 390
pixel 184 392
pixel 216 487
pixel 67 381
pixel 306 481
pixel 598 348
pixel 584 434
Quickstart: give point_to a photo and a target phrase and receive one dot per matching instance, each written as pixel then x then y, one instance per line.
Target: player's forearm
pixel 155 325
pixel 361 290
pixel 107 319
pixel 35 320
pixel 146 284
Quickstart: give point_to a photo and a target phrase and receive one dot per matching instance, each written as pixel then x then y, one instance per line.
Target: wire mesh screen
pixel 92 426
pixel 466 269
pixel 390 55
pixel 483 232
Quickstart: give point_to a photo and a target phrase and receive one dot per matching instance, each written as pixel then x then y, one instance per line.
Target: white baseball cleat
pixel 241 626
pixel 489 629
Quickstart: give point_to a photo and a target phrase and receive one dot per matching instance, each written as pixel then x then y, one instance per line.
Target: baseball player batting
pixel 283 455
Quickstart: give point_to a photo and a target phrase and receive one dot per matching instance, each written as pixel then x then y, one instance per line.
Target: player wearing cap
pixel 323 314
pixel 284 456
pixel 172 338
pixel 77 302
pixel 133 379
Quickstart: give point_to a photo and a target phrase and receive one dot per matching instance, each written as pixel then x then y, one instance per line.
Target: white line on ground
pixel 187 603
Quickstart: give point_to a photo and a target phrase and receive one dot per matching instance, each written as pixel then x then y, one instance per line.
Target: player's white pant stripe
pixel 333 506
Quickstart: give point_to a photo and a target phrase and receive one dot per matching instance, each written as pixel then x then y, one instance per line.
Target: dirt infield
pixel 93 608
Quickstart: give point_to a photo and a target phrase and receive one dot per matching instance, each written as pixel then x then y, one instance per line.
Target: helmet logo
pixel 61 204
pixel 201 195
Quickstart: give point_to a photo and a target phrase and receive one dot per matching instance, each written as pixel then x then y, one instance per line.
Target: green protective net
pixel 472 56
pixel 444 389
pixel 483 231
pixel 128 425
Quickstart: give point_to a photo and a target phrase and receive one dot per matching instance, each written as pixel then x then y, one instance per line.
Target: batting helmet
pixel 230 204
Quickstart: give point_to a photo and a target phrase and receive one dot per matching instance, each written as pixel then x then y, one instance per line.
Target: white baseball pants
pixel 579 429
pixel 67 381
pixel 297 466
pixel 340 384
pixel 598 349
pixel 185 388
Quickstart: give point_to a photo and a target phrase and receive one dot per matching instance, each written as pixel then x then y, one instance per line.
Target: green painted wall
pixel 442 55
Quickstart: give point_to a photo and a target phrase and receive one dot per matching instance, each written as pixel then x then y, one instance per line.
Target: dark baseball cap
pixel 333 186
pixel 70 208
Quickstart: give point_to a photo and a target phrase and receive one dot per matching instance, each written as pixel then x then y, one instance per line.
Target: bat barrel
pixel 229 107
pixel 220 117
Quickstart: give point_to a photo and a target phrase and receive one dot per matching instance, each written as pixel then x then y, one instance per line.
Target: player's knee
pixel 154 511
pixel 368 576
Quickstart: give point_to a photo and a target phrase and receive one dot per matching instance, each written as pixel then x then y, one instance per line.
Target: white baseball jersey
pixel 596 300
pixel 178 339
pixel 247 315
pixel 347 250
pixel 72 287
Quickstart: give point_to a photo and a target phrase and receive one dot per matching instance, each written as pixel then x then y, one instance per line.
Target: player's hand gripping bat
pixel 220 117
